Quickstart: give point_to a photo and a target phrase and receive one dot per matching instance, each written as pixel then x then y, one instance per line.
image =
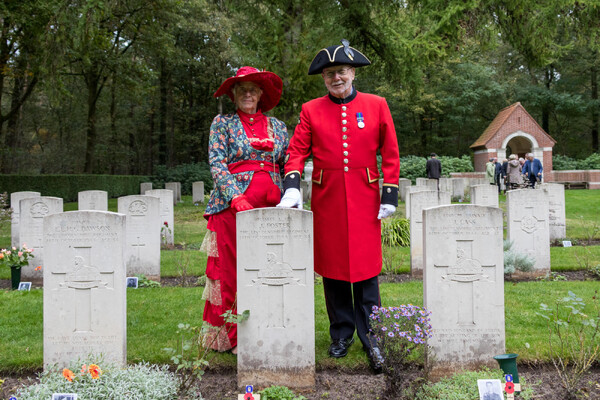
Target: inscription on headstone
pixel 85 309
pixel 275 282
pixel 555 193
pixel 463 283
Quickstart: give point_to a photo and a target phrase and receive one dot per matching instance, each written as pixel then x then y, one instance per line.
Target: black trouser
pixel 532 180
pixel 349 306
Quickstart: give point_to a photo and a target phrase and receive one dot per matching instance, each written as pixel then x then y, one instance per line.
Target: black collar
pixel 345 100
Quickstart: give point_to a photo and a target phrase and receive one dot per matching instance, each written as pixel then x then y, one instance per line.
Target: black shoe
pixel 339 347
pixel 376 360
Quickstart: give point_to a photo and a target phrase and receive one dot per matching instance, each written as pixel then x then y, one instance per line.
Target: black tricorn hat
pixel 337 55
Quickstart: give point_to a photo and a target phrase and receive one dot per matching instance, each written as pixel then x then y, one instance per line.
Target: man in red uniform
pixel 344 130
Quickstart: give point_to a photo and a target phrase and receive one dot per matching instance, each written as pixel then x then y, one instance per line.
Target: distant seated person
pixel 532 170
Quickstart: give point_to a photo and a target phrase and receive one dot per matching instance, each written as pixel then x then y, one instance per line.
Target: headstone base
pixel 298 378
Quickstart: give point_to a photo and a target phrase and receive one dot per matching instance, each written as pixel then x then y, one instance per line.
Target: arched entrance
pixel 519 143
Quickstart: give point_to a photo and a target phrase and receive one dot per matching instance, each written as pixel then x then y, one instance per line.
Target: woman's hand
pixel 240 203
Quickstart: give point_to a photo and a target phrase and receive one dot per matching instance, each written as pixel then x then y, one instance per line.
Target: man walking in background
pixel 433 168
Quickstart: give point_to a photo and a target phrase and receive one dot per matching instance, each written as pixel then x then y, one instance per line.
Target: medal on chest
pixel 360 120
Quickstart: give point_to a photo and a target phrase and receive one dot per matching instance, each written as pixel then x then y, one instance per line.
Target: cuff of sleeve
pixel 389 195
pixel 291 180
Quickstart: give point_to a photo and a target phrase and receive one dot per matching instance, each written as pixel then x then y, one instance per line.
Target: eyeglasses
pixel 241 90
pixel 340 72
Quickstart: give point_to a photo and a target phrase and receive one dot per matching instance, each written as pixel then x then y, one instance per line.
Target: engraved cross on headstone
pixel 465 271
pixel 138 246
pixel 275 274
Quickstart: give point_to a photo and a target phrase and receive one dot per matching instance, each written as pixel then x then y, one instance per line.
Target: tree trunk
pixel 92 82
pixel 548 73
pixel 113 125
pixel 162 115
pixel 594 78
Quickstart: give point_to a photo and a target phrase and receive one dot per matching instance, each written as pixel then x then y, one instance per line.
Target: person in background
pixel 433 168
pixel 490 170
pixel 498 177
pixel 513 172
pixel 504 174
pixel 344 130
pixel 245 153
pixel 532 170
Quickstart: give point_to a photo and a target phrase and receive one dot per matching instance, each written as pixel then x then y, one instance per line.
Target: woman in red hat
pixel 245 152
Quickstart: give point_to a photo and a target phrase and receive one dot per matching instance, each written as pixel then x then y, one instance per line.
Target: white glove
pixel 386 210
pixel 291 198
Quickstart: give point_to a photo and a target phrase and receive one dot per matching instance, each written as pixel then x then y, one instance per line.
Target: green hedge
pixel 562 163
pixel 67 186
pixel 413 167
pixel 186 174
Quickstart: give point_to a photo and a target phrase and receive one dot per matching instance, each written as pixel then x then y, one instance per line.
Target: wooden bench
pixel 574 185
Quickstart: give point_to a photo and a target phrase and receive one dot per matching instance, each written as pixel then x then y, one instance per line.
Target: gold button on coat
pixel 345 161
pixel 345 153
pixel 345 169
pixel 343 108
pixel 345 145
pixel 344 136
pixel 344 115
pixel 344 129
pixel 344 122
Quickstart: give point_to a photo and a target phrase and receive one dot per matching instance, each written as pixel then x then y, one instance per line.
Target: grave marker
pixel 555 192
pixel 92 200
pixel 198 192
pixel 145 186
pixel 15 198
pixel 166 213
pixel 485 195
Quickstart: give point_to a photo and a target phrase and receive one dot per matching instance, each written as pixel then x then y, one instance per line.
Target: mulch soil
pixel 359 383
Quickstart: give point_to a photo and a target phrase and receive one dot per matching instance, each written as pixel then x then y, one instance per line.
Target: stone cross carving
pixel 466 270
pixel 138 246
pixel 530 224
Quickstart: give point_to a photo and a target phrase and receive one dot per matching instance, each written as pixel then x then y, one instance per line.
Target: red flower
pixel 68 374
pixel 509 387
pixel 248 396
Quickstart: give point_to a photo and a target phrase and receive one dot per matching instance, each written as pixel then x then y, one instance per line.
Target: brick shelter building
pixel 514 131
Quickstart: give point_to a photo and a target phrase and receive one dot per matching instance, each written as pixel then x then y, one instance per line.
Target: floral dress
pixel 240 163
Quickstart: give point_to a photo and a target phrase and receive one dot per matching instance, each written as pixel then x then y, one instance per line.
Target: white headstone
pixel 528 226
pixel 463 284
pixel 166 213
pixel 308 170
pixel 276 345
pixel 31 225
pixel 179 199
pixel 421 181
pixel 445 185
pixel 85 310
pixel 555 192
pixel 485 195
pixel 403 183
pixel 144 186
pixel 418 202
pixel 458 188
pixel 172 186
pixel 198 192
pixel 15 198
pixel 142 252
pixel 409 190
pixel 90 200
pixel 306 189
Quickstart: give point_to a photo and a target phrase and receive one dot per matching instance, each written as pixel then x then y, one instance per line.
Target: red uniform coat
pixel 345 192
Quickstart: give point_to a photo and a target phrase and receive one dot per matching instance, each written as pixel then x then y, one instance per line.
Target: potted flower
pixel 15 258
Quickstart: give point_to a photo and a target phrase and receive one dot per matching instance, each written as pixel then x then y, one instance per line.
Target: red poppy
pixel 509 387
pixel 248 396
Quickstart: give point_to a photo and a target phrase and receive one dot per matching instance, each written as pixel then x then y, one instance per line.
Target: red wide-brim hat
pixel 269 82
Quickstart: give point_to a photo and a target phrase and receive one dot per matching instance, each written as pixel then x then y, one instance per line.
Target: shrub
pixel 592 162
pixel 141 381
pixel 279 393
pixel 413 167
pixel 399 332
pixel 5 210
pixel 395 232
pixel 187 174
pixel 514 261
pixel 563 163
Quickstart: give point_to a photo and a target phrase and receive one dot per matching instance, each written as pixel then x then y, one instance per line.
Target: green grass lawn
pixel 153 314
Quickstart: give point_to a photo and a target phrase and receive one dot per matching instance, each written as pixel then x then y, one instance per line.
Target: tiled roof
pixel 496 124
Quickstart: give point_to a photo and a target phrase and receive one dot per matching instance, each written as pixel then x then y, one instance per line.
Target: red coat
pixel 345 192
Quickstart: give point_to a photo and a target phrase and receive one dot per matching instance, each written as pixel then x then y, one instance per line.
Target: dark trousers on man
pixel 349 306
pixel 532 180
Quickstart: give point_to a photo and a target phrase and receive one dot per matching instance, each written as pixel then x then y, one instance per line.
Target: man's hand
pixel 386 210
pixel 291 198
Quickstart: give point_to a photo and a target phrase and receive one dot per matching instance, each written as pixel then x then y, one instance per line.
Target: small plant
pixel 514 261
pixel 585 258
pixel 395 232
pixel 279 393
pixel 183 266
pixel 144 282
pixel 552 277
pixel 591 229
pixel 573 339
pixel 16 257
pixel 400 332
pixel 595 271
pixel 141 381
pixel 191 352
pixel 391 260
pixel 201 280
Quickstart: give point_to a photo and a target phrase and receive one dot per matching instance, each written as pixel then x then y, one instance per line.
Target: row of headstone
pixel 197 190
pixel 89 200
pixel 150 220
pixel 485 195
